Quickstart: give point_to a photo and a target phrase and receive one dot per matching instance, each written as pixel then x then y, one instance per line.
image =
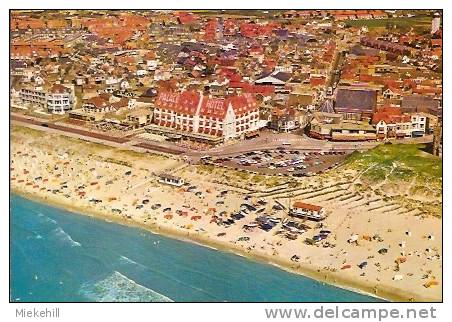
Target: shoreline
pixel 307 270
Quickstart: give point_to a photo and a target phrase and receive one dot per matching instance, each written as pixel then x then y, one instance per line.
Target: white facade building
pixel 414 125
pixel 56 99
pixel 192 112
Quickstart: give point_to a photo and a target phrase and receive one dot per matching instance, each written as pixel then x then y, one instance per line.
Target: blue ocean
pixel 58 256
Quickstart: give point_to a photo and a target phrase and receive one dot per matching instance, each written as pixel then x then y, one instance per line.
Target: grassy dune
pixel 397 162
pixel 402 172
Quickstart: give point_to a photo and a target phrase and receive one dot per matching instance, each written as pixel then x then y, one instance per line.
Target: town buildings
pixel 219 77
pixel 391 123
pixel 54 99
pixel 278 79
pixel 287 119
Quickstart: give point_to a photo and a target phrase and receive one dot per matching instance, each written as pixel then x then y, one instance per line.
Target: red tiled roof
pixel 316 81
pixel 302 205
pixel 185 102
pixel 254 30
pixel 21 52
pixel 390 115
pixel 26 23
pixel 58 89
pixel 395 89
pixel 186 18
pixel 243 104
pixel 98 102
pixel 214 108
pixel 427 90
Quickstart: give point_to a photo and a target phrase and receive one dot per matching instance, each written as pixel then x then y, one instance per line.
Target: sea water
pixel 59 256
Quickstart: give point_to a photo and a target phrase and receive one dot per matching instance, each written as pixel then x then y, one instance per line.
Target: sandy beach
pixel 401 247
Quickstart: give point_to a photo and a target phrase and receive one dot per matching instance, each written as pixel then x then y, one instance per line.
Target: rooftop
pixel 307 206
pixel 356 98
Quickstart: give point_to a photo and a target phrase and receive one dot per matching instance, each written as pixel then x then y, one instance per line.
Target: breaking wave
pixel 65 237
pixel 129 261
pixel 119 288
pixel 47 218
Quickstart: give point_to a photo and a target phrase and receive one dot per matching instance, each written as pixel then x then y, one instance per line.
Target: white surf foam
pixel 202 245
pixel 129 261
pixel 119 288
pixel 47 218
pixel 65 237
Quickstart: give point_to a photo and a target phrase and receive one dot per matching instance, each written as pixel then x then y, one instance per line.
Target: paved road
pixel 97 138
pixel 85 133
pixel 290 142
pixel 265 141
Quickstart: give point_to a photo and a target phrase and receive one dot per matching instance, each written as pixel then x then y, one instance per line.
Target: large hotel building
pixel 192 112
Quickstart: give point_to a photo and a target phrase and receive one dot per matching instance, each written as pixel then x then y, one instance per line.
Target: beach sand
pixel 69 173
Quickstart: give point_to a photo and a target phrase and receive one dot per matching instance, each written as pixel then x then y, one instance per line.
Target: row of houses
pixel 169 63
pixel 387 123
pixel 386 46
pixel 355 115
pixel 392 123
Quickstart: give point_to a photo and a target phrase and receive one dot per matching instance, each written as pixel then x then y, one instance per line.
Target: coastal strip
pixel 124 187
pixel 310 271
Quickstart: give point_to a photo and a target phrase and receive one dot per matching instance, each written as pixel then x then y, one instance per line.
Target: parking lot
pixel 282 161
